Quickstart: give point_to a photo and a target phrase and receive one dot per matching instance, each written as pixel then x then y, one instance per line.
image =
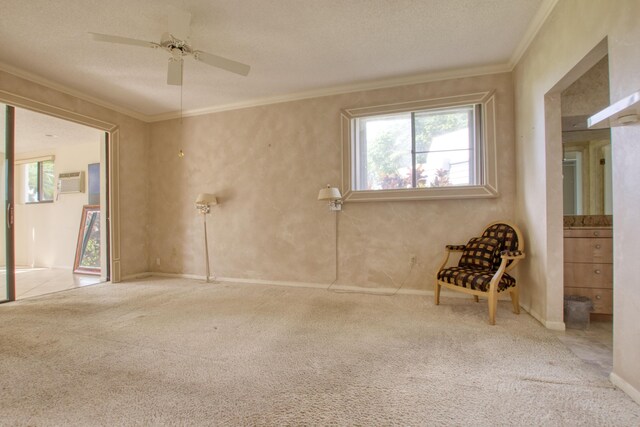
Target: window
pixel 441 148
pixel 39 181
pixel 419 149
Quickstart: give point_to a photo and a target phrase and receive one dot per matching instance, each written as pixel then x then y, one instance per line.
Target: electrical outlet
pixel 157 261
pixel 413 260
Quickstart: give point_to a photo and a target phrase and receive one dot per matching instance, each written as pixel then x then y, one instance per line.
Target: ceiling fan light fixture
pixel 174 71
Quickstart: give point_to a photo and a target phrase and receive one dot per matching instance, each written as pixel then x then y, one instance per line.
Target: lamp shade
pixel 329 193
pixel 206 199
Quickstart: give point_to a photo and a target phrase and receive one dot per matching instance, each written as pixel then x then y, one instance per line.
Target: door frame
pixel 112 169
pixel 9 206
pixel 554 211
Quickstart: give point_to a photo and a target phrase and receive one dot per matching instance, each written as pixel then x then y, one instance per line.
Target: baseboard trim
pixel 136 276
pixel 343 288
pixel 272 282
pixel 308 285
pixel 293 284
pixel 554 326
pixel 630 390
pixel 381 291
pixel 178 275
pixel 355 289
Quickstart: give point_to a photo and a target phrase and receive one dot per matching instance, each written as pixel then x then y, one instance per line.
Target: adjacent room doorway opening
pixel 55 186
pixel 588 214
pixel 580 164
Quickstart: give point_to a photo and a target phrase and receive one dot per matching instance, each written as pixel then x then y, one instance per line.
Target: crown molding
pixel 342 89
pixel 69 91
pixel 540 17
pixel 536 23
pixel 329 91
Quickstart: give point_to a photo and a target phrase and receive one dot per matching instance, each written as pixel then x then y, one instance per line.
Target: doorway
pixel 53 171
pixel 587 217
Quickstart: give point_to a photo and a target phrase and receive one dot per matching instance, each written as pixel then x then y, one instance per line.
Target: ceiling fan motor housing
pixel 175 46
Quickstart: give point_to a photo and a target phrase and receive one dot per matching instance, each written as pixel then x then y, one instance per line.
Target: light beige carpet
pixel 179 352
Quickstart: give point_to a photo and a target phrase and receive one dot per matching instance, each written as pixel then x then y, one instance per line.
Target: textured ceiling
pixel 293 46
pixel 40 133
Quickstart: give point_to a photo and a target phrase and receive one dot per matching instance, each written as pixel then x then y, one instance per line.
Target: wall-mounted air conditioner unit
pixel 72 182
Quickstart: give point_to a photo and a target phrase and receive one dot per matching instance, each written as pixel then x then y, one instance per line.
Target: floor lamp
pixel 333 196
pixel 203 204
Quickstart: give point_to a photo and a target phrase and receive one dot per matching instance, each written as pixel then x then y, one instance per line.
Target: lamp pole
pixel 206 246
pixel 203 204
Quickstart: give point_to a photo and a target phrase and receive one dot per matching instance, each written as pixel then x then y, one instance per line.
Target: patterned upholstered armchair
pixel 484 266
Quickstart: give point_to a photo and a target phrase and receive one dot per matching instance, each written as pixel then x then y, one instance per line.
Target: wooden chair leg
pixel 475 297
pixel 493 304
pixel 515 300
pixel 436 293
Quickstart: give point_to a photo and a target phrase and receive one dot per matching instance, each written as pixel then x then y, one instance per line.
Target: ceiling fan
pixel 176 42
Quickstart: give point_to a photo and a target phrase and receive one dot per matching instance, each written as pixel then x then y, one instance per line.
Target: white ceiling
pixel 295 47
pixel 40 133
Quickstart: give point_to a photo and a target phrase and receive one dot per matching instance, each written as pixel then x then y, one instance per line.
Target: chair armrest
pixel 511 254
pixel 447 253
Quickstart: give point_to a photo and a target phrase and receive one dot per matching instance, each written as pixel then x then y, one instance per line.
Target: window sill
pixel 439 193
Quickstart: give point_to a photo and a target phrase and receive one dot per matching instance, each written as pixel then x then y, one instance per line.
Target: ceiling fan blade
pixel 220 62
pixel 122 40
pixel 174 73
pixel 179 23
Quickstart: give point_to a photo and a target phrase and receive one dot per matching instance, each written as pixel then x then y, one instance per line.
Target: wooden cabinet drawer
pixel 586 275
pixel 597 250
pixel 602 298
pixel 588 232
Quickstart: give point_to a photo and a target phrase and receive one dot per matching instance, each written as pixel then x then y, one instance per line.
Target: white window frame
pixel 23 164
pixel 487 186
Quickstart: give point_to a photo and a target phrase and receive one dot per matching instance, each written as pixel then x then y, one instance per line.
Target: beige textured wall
pixel 133 165
pixel 572 30
pixel 266 165
pixel 590 93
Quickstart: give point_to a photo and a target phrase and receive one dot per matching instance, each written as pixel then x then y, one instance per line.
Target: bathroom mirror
pixel 586 169
pixel 586 164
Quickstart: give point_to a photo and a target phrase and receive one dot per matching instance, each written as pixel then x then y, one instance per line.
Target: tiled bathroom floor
pixel 593 345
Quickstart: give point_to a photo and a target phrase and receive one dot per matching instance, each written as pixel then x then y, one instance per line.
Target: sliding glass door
pixel 42 235
pixel 7 262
